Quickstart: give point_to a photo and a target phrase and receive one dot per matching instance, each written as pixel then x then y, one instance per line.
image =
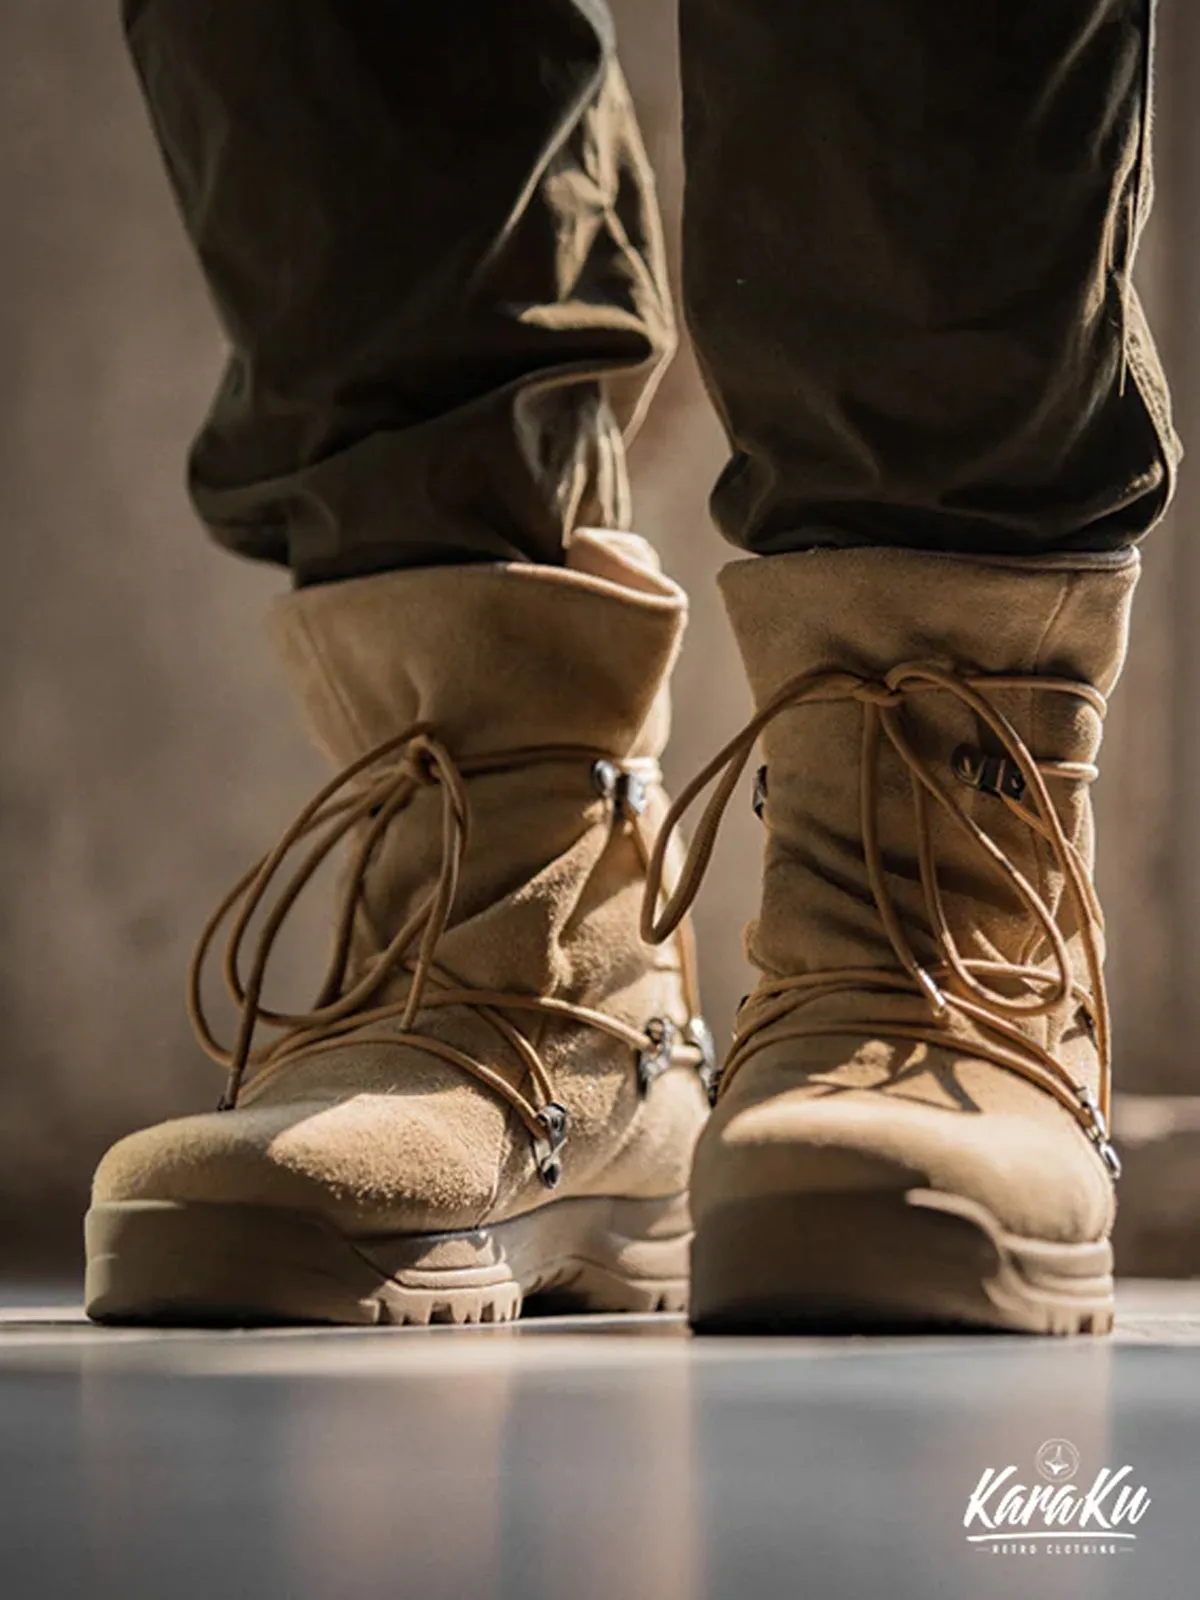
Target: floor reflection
pixel 616 1463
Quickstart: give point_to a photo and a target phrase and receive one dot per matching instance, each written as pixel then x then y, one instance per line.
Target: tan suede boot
pixel 496 1092
pixel 911 1126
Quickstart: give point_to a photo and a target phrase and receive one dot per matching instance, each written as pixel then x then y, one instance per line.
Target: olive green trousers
pixel 431 233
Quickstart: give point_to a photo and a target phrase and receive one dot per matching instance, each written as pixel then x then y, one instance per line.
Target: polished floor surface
pixel 576 1458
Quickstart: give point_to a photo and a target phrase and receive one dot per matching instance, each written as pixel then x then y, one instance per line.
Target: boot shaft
pixel 494 659
pixel 1009 627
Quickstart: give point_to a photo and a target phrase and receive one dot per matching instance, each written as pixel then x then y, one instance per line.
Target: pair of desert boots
pixel 501 1093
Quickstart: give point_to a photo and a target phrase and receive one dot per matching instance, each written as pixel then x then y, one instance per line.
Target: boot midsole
pixel 915 1257
pixel 148 1257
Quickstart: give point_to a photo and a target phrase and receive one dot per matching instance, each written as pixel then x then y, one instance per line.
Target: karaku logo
pixel 1058 1516
pixel 1058 1461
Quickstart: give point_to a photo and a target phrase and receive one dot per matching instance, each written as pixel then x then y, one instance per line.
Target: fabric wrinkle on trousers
pixel 433 240
pixel 437 254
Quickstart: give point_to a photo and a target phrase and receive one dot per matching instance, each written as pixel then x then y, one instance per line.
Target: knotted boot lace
pixel 991 997
pixel 369 795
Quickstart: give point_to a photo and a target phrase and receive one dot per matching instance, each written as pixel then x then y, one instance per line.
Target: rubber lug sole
pixel 161 1262
pixel 910 1262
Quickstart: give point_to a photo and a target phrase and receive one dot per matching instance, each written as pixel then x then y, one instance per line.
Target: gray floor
pixel 573 1458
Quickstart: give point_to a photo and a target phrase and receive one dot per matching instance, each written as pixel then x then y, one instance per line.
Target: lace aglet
pixel 937 1000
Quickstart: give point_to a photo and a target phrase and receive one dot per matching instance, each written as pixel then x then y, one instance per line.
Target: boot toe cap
pixel 367 1164
pixel 1029 1163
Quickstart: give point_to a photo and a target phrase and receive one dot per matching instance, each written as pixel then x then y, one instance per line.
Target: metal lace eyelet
pixel 760 792
pixel 1098 1131
pixel 553 1118
pixel 633 796
pixel 605 778
pixel 628 792
pixel 700 1036
pixel 654 1060
pixel 1107 1152
pixel 1086 1096
pixel 994 775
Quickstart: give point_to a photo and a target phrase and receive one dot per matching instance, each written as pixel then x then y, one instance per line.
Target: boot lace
pixel 369 795
pixel 956 988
